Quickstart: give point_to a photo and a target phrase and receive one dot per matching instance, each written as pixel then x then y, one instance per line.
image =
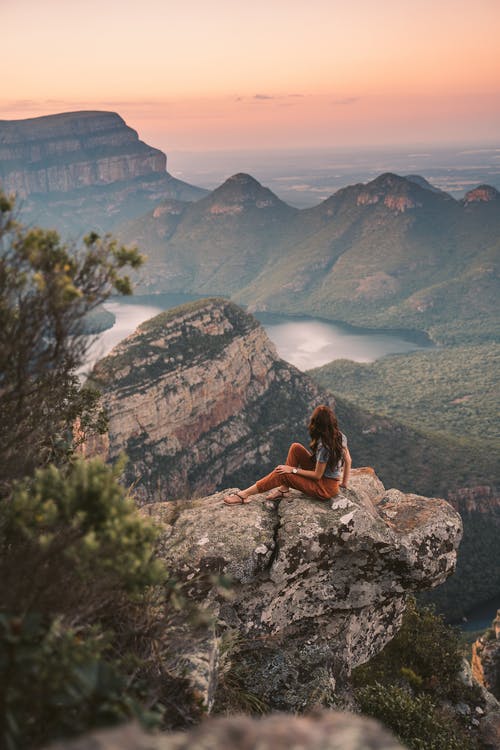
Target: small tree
pixel 47 288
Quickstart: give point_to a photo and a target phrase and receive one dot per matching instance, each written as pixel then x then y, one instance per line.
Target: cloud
pixel 264 96
pixel 345 100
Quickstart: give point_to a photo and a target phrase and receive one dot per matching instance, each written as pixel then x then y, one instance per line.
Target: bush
pixel 77 575
pixel 414 719
pixel 426 653
pixel 56 682
pixel 407 684
pixel 47 290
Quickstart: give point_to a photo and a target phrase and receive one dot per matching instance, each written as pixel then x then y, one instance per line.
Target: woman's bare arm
pixel 347 467
pixel 316 474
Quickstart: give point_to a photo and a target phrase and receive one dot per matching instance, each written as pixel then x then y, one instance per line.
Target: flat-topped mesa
pixel 68 151
pixel 82 171
pixel 318 587
pixel 198 398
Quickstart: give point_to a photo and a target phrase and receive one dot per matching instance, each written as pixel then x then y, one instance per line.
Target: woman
pixel 316 473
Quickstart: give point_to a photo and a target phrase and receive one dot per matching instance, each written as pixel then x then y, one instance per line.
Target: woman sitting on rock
pixel 316 473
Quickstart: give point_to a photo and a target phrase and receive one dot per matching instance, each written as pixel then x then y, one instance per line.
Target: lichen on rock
pixel 317 587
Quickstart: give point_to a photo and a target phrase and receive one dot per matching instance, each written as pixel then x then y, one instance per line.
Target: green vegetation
pixel 409 684
pixel 76 565
pixel 47 290
pixel 87 614
pixel 453 390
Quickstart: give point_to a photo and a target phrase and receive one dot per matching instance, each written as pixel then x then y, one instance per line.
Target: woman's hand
pixel 284 469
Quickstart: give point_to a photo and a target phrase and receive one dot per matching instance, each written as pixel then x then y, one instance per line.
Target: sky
pixel 234 74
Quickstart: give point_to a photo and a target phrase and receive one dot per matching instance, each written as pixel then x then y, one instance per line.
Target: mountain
pixel 215 245
pixel 78 171
pixel 199 400
pixel 392 253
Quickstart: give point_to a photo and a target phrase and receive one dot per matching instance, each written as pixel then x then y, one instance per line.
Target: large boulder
pixel 317 587
pixel 325 731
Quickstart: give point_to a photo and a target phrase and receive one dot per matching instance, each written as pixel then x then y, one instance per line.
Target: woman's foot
pixel 236 498
pixel 278 493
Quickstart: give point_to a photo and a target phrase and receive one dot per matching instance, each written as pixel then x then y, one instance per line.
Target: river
pixel 303 341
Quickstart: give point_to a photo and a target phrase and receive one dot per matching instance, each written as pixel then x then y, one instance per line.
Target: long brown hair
pixel 323 426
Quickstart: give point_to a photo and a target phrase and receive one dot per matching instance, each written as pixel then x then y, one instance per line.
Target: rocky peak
pixel 481 194
pixel 486 658
pixel 242 191
pixel 398 194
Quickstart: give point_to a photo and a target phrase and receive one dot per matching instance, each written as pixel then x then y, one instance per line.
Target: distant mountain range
pixel 395 252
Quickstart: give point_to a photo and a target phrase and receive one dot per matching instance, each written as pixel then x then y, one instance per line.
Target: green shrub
pixel 78 587
pixel 414 719
pixel 73 543
pixel 426 653
pixel 409 681
pixel 56 682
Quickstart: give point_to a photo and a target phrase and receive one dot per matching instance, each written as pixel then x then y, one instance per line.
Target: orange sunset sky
pixel 212 74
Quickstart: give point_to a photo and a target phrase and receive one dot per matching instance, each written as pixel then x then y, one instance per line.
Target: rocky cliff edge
pixel 317 587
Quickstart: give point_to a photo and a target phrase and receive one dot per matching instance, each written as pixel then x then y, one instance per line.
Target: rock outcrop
pixel 198 399
pixel 90 164
pixel 486 658
pixel 317 587
pixel 324 731
pixel 481 194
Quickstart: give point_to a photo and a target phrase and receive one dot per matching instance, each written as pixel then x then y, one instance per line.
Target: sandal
pixel 237 499
pixel 277 494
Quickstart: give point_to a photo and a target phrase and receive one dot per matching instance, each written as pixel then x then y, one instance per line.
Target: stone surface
pixel 323 731
pixel 83 170
pixel 489 729
pixel 198 399
pixel 318 587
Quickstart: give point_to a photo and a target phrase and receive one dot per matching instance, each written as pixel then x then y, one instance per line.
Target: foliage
pixel 46 291
pixel 429 650
pixel 415 719
pixel 76 567
pixel 451 389
pixel 86 612
pixel 407 683
pixel 55 682
pixel 73 544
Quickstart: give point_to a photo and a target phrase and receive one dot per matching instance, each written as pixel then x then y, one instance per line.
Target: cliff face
pixel 486 658
pixel 317 587
pixel 73 150
pixel 198 398
pixel 88 162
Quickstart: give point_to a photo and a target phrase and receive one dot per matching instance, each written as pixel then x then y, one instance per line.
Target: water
pixel 481 617
pixel 309 342
pixel 304 342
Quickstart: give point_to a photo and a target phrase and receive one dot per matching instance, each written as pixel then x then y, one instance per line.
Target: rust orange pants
pixel 323 488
